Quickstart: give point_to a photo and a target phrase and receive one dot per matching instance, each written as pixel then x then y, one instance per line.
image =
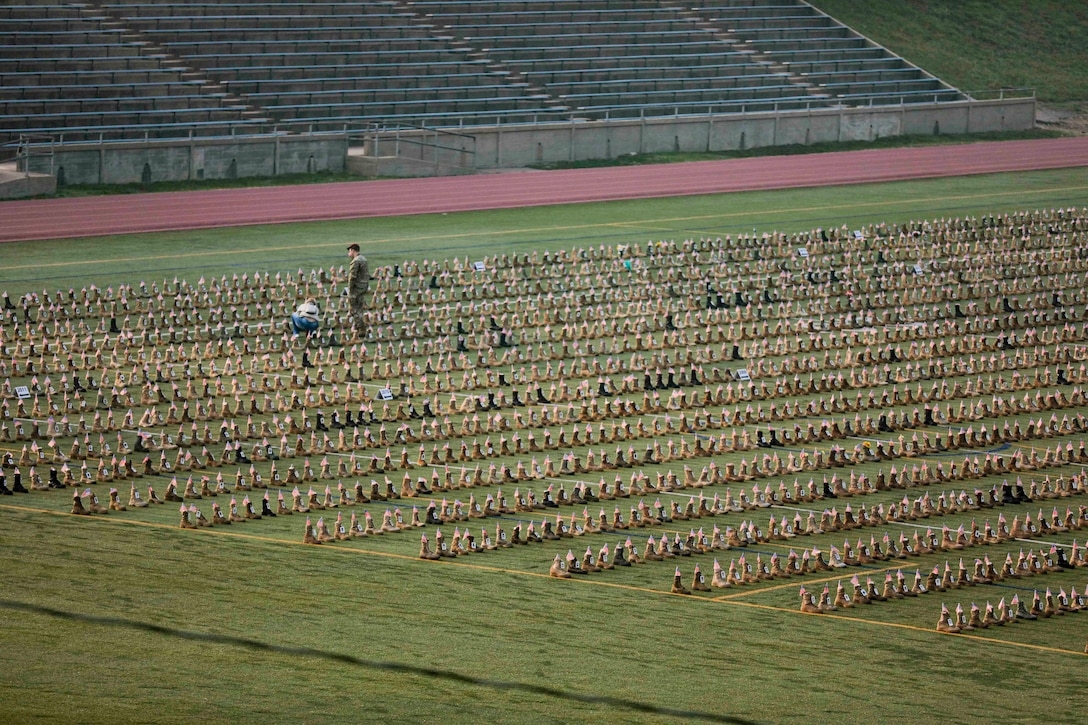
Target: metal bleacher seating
pixel 817 50
pixel 329 64
pixel 162 68
pixel 609 59
pixel 67 70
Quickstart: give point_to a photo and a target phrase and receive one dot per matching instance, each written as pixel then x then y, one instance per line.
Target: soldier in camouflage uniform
pixel 358 287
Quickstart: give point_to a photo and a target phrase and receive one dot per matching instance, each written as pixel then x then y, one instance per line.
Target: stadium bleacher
pixel 157 68
pixel 818 50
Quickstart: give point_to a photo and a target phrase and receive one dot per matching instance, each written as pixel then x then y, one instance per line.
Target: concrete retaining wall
pixel 497 147
pixel 19 185
pixel 524 145
pixel 224 158
pixel 517 146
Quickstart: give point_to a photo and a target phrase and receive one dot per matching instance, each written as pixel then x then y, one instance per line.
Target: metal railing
pixel 437 146
pixel 1000 94
pixel 450 131
pixel 26 147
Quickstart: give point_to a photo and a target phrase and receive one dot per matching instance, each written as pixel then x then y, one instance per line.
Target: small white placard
pixel 479 266
pixel 742 374
pixel 385 394
pixel 22 391
pixel 802 251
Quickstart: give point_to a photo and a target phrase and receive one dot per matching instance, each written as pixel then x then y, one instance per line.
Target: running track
pixel 84 217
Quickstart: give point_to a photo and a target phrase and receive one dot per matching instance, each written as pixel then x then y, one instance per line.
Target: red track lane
pixel 95 216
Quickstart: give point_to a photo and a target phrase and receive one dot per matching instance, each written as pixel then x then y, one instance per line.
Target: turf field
pixel 125 617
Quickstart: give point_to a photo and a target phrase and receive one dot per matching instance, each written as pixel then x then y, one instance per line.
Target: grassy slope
pixel 491 616
pixel 979 44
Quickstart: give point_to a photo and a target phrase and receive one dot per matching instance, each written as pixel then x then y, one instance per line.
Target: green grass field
pixel 130 258
pixel 127 618
pixel 978 45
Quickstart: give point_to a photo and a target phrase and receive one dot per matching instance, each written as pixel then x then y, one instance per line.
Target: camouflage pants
pixel 358 313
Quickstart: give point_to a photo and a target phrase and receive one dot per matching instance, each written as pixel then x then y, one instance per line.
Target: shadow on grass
pixel 428 672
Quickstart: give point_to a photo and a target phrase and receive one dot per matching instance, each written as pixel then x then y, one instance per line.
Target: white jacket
pixel 308 311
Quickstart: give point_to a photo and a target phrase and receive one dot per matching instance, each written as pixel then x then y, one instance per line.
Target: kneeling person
pixel 306 318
